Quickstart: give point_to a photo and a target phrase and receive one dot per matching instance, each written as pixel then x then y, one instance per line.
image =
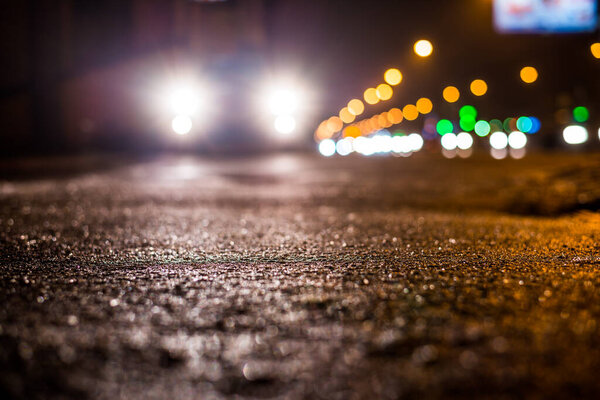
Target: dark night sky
pixel 347 45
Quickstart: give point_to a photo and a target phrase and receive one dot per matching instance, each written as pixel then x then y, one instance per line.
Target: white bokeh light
pixel 464 141
pixel 344 146
pixel 415 141
pixel 400 144
pixel 364 146
pixel 575 134
pixel 327 147
pixel 382 143
pixel 449 141
pixel 498 140
pixel 517 140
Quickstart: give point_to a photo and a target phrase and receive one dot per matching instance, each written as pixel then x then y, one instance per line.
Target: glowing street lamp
pixel 392 76
pixel 370 96
pixel 346 115
pixel 529 74
pixel 451 94
pixel 356 107
pixel 384 91
pixel 424 105
pixel 423 48
pixel 595 48
pixel 479 87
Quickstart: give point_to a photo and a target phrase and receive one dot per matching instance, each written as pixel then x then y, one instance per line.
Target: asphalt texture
pixel 298 277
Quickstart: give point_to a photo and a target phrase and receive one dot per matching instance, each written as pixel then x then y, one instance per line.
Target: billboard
pixel 545 16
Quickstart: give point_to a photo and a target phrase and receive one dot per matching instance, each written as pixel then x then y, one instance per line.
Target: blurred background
pixel 370 77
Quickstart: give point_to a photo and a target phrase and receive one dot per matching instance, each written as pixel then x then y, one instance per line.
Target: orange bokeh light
pixel 346 116
pixel 352 131
pixel 424 105
pixel 529 74
pixel 370 96
pixel 392 76
pixel 410 112
pixel 595 48
pixel 479 87
pixel 395 116
pixel 334 124
pixel 356 107
pixel 384 91
pixel 451 94
pixel 323 131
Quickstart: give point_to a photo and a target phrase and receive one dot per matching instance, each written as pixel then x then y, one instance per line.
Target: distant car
pixel 169 99
pixel 236 102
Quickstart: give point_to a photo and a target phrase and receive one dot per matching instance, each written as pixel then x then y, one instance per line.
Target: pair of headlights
pixel 280 103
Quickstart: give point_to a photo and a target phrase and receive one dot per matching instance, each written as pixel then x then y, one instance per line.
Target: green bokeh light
pixel 581 114
pixel 444 126
pixel 467 123
pixel 524 124
pixel 508 122
pixel 468 111
pixel 482 128
pixel 495 125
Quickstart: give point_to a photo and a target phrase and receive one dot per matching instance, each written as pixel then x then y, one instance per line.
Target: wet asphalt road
pixel 297 277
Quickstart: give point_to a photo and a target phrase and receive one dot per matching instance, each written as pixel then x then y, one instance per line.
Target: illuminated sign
pixel 545 16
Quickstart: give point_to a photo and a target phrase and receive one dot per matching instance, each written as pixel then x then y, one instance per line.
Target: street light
pixel 410 112
pixel 595 48
pixel 529 74
pixel 423 48
pixel 384 91
pixel 451 94
pixel 479 87
pixel 346 115
pixel 370 96
pixel 424 105
pixel 392 76
pixel 356 107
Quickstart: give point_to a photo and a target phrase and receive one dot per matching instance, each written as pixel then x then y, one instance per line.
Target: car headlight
pixel 181 101
pixel 283 101
pixel 184 101
pixel 181 124
pixel 285 105
pixel 285 124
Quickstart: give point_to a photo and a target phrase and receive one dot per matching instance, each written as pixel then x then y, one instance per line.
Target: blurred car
pixel 237 102
pixel 231 103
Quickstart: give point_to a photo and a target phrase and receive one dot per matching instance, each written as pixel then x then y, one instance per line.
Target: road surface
pixel 294 276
